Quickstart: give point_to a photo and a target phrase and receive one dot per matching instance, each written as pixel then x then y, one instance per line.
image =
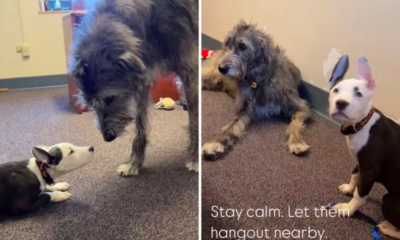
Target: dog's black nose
pixel 109 136
pixel 341 104
pixel 223 69
pixel 91 149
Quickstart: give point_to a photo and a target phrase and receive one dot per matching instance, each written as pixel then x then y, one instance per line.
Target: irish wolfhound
pixel 118 50
pixel 264 82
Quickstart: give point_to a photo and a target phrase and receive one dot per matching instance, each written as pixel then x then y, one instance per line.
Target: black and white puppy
pixel 28 185
pixel 373 141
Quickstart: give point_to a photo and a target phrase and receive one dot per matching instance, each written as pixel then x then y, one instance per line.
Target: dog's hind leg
pixel 211 79
pixel 140 141
pixel 224 140
pixel 25 205
pixel 388 229
pixel 391 212
pixel 294 132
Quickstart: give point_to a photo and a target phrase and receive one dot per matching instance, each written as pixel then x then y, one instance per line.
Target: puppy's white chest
pixel 352 149
pixel 357 141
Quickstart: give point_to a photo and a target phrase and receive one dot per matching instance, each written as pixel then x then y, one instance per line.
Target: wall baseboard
pixel 316 97
pixel 34 82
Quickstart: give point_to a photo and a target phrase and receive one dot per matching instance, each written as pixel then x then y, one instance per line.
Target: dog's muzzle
pixel 231 65
pixel 341 104
pixel 223 69
pixel 109 136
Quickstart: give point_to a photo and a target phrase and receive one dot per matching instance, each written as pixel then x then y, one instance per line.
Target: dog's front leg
pixel 364 186
pixel 191 89
pixel 61 186
pixel 294 132
pixel 348 189
pixel 215 148
pixel 139 142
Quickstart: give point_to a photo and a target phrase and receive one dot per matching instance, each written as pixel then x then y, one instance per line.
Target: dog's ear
pixel 339 71
pixel 78 68
pixel 364 71
pixel 129 61
pixel 264 51
pixel 40 153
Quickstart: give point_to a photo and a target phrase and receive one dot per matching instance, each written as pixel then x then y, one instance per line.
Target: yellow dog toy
pixel 165 103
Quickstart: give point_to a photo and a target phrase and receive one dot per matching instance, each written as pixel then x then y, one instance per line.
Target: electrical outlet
pixel 25 51
pixel 19 48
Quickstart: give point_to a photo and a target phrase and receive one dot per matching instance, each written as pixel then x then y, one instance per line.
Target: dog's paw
pixel 127 169
pixel 61 186
pixel 58 196
pixel 346 189
pixel 383 226
pixel 343 210
pixel 388 229
pixel 192 166
pixel 212 150
pixel 298 148
pixel 384 230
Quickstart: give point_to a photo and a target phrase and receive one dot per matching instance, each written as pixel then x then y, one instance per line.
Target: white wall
pixel 43 33
pixel 309 29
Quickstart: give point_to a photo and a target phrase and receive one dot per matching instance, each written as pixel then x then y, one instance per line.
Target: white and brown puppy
pixel 28 185
pixel 373 141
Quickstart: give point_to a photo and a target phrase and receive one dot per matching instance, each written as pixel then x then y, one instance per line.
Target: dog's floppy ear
pixel 364 71
pixel 129 61
pixel 339 71
pixel 264 51
pixel 78 68
pixel 41 154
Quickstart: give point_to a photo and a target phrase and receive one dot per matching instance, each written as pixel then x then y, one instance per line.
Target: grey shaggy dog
pixel 119 49
pixel 264 82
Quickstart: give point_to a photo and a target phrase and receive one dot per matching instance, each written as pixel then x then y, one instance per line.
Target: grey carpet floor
pixel 260 172
pixel 161 203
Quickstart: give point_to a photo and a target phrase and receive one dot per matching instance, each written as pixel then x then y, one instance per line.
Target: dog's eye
pixel 359 94
pixel 242 46
pixel 71 152
pixel 335 90
pixel 109 100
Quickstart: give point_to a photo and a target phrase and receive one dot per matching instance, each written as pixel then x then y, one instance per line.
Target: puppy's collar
pixel 46 176
pixel 356 128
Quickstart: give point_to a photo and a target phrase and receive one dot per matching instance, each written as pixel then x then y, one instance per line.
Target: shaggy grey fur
pixel 119 48
pixel 264 82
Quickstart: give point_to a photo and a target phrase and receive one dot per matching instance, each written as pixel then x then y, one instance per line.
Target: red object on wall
pixel 165 87
pixel 205 53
